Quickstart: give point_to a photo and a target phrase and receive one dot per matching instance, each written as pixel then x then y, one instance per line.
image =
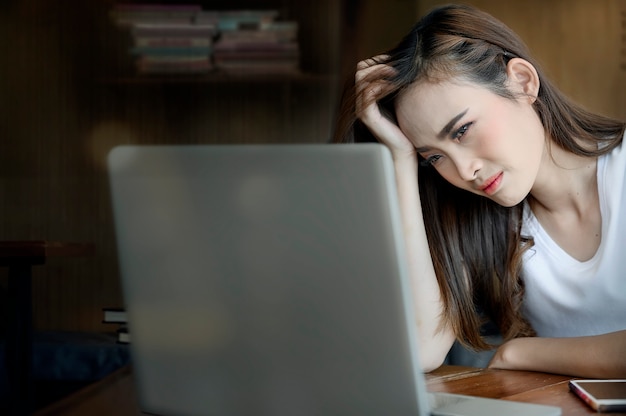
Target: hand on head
pixel 371 84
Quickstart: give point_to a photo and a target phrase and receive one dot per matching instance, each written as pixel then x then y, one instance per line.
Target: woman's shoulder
pixel 614 161
pixel 611 176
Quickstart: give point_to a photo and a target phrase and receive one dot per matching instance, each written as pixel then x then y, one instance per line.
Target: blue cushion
pixel 72 356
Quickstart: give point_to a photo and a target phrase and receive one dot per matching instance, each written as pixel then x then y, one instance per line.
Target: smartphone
pixel 601 395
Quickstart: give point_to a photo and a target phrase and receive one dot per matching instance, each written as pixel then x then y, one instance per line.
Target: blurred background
pixel 70 91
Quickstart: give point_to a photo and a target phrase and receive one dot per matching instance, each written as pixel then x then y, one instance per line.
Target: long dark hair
pixel 476 245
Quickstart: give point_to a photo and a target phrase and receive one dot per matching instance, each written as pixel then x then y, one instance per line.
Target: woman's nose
pixel 467 168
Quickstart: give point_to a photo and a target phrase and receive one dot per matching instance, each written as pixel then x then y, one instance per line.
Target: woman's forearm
pixel 371 84
pixel 600 356
pixel 435 339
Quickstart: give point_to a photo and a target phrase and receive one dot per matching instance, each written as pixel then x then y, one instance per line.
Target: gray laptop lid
pixel 265 280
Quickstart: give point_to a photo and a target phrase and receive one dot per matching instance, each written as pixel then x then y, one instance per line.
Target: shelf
pixel 218 77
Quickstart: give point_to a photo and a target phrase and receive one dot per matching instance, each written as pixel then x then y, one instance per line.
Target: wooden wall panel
pixel 61 111
pixel 50 187
pixel 577 42
pixel 371 27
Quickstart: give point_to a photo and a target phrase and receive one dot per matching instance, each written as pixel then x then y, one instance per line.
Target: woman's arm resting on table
pixel 599 356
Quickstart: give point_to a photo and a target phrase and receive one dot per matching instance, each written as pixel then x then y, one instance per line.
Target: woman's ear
pixel 523 78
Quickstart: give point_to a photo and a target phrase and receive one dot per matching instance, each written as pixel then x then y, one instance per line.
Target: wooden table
pixel 19 257
pixel 116 394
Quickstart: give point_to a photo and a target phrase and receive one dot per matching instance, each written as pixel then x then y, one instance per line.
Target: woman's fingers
pixel 370 81
pixel 371 85
pixel 375 60
pixel 368 93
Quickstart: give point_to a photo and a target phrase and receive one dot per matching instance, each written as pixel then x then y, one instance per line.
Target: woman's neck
pixel 565 201
pixel 566 183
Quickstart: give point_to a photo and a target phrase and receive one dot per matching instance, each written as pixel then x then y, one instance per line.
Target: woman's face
pixel 477 140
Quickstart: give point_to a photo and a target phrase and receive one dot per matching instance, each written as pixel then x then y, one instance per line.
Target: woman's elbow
pixel 432 360
pixel 433 353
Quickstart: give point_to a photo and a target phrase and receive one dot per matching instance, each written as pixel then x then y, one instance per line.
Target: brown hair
pixel 476 245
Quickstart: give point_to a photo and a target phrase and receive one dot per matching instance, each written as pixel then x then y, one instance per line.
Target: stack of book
pixel 254 41
pixel 117 316
pixel 184 39
pixel 167 39
pixel 172 48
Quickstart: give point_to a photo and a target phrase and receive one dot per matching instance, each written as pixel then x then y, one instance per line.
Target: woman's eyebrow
pixel 448 127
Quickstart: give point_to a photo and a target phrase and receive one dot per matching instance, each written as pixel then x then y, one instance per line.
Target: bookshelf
pixel 217 77
pixel 220 105
pixel 313 29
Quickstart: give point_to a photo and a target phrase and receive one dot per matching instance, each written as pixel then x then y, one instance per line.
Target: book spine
pixel 172 42
pixel 114 316
pixel 173 51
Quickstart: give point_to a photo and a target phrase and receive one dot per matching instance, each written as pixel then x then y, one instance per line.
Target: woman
pixel 511 197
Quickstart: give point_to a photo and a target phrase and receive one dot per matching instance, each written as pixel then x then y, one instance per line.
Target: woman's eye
pixel 461 131
pixel 430 160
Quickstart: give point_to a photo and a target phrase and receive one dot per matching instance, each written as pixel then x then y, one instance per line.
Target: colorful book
pixel 114 316
pixel 167 51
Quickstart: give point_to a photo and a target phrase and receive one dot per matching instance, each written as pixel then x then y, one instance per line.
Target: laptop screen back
pixel 265 280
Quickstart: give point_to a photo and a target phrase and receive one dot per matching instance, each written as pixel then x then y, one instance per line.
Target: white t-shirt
pixel 566 297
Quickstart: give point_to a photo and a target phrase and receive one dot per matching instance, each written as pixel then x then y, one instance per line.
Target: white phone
pixel 601 395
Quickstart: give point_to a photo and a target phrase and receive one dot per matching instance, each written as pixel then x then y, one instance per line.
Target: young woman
pixel 513 198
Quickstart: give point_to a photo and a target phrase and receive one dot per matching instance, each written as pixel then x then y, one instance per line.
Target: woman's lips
pixel 492 184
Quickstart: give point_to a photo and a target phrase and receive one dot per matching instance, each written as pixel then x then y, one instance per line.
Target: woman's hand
pixel 371 86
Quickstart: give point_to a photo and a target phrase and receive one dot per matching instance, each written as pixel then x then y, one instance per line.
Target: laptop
pixel 271 280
